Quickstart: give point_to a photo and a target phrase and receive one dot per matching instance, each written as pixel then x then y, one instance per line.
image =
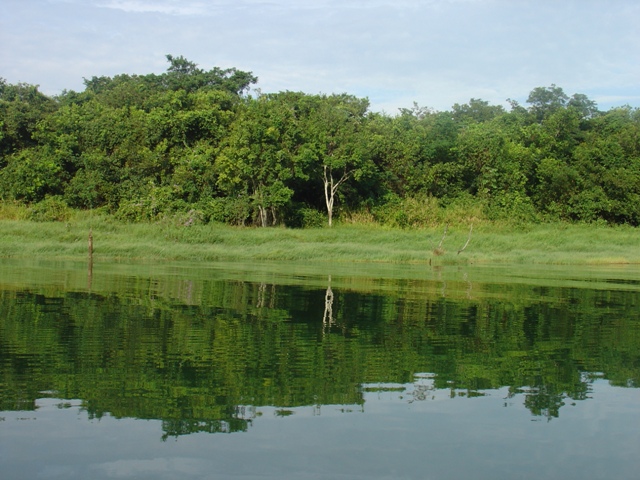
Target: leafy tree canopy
pixel 192 140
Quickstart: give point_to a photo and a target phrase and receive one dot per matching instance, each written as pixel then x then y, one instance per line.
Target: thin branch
pixel 344 177
pixel 468 240
pixel 446 227
pixel 438 250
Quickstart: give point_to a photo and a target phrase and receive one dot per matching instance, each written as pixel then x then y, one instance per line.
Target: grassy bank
pixel 489 243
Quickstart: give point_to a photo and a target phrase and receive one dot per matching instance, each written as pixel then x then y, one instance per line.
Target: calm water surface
pixel 269 371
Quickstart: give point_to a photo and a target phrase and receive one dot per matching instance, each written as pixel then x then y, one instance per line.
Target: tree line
pixel 198 143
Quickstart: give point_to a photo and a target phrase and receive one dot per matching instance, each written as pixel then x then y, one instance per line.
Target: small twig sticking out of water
pixel 468 240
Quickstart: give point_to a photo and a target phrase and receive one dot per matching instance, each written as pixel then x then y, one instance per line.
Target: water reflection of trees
pixel 327 318
pixel 192 358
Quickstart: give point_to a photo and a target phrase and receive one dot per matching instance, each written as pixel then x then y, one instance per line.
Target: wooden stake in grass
pixel 90 266
pixel 468 240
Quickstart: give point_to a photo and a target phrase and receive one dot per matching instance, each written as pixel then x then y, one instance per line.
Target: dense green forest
pixel 198 145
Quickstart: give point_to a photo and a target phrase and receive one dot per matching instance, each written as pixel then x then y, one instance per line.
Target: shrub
pixel 512 207
pixel 190 218
pixel 157 203
pixel 234 211
pixel 410 212
pixel 312 218
pixel 30 175
pixel 51 209
pixel 463 210
pixel 13 211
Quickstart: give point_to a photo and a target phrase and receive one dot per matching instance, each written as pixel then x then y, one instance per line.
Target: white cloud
pixel 435 52
pixel 167 6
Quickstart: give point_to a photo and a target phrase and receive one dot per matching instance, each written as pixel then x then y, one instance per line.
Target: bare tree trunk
pixel 327 318
pixel 263 215
pixel 258 198
pixel 328 194
pixel 330 189
pixel 261 294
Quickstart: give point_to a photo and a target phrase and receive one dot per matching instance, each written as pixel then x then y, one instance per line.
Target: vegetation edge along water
pixel 171 240
pixel 205 145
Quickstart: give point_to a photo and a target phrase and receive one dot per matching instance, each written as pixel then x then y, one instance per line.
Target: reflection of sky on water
pixel 390 436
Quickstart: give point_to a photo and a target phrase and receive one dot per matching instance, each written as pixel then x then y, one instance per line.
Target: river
pixel 318 371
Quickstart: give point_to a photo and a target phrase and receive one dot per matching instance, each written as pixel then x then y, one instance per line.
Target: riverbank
pixel 558 243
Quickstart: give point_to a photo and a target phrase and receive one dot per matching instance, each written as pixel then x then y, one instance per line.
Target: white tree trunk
pixel 330 189
pixel 327 318
pixel 263 215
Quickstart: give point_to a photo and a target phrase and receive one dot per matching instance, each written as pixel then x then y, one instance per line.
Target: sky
pixel 435 53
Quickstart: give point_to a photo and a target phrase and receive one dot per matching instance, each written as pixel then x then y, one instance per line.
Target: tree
pixel 184 74
pixel 181 75
pixel 260 155
pixel 496 168
pixel 394 146
pixel 608 161
pixel 181 65
pixel 31 174
pixel 476 111
pixel 546 100
pixel 22 106
pixel 336 142
pixel 583 104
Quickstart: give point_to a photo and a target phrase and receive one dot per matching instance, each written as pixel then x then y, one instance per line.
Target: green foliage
pixel 409 212
pixel 158 202
pixel 51 209
pixel 546 100
pixel 259 158
pixel 357 238
pixel 463 209
pixel 230 210
pixel 151 146
pixel 88 189
pixel 311 218
pixel 476 111
pixel 182 75
pixel 22 106
pixel 13 211
pixel 31 174
pixel 177 345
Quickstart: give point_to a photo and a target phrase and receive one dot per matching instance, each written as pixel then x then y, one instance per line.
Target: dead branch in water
pixel 439 250
pixel 446 227
pixel 468 240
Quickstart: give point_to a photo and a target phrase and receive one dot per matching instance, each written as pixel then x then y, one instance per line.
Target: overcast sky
pixel 395 52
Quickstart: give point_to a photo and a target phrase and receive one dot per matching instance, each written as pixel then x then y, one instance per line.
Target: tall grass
pixel 350 241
